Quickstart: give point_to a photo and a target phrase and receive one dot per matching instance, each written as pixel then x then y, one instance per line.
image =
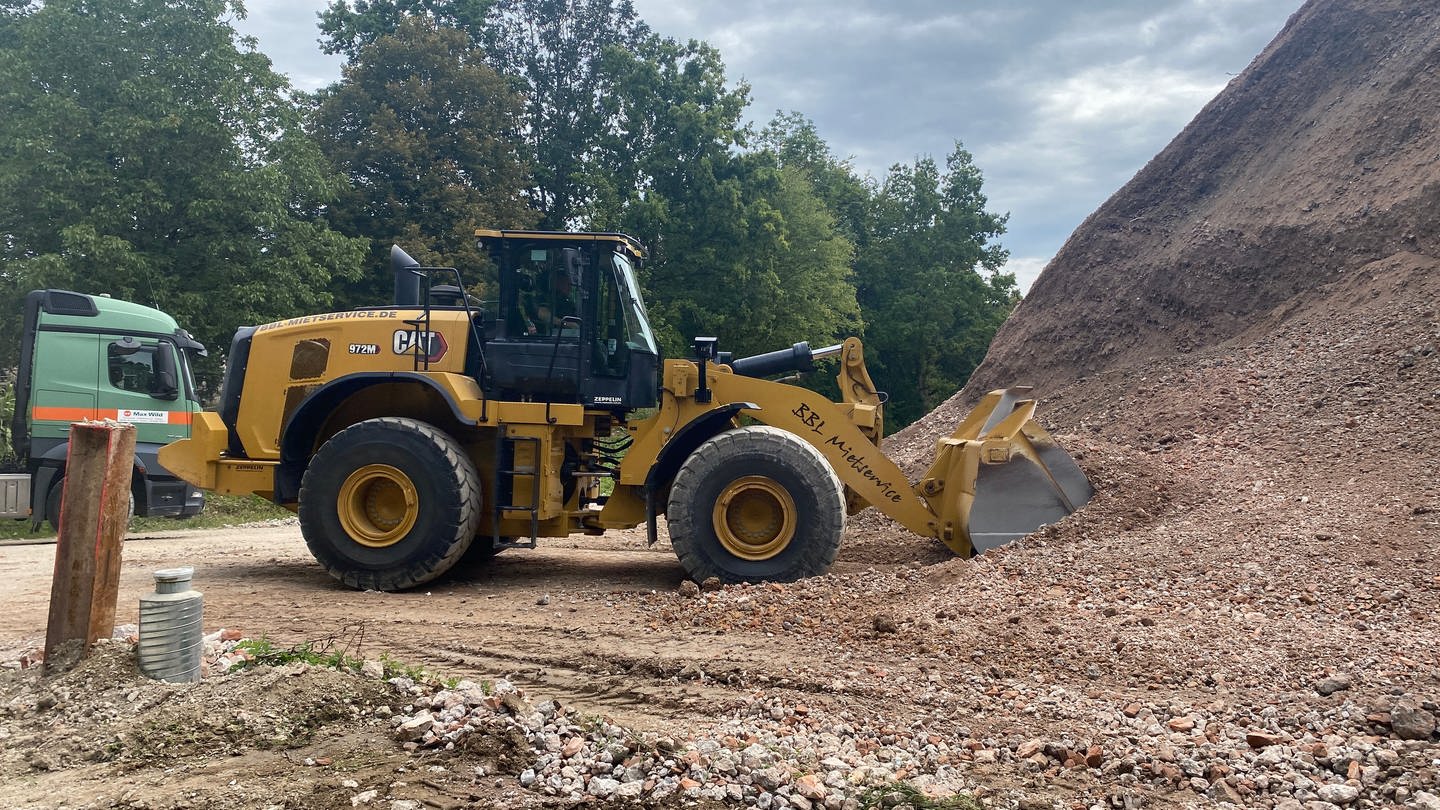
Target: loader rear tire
pixel 756 504
pixel 388 504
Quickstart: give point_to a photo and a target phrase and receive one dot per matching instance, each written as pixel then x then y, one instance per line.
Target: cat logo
pixel 432 344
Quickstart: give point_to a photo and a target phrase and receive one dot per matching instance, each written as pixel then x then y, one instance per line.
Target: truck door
pixel 142 382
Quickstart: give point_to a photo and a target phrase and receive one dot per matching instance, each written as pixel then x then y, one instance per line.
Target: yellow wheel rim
pixel 377 505
pixel 754 518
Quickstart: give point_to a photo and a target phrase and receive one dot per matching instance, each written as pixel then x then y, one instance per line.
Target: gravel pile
pixel 767 755
pixel 772 754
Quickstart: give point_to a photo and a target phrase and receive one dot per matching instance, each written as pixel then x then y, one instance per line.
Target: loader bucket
pixel 1019 496
pixel 1001 476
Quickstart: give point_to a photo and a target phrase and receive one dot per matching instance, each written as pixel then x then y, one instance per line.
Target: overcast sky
pixel 1060 102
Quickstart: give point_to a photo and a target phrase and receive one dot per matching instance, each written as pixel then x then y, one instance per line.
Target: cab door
pixel 141 381
pixel 623 357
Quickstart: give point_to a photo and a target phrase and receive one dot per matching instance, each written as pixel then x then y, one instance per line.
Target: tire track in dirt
pixel 568 621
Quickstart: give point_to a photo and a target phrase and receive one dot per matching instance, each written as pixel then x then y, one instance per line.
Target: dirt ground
pixel 596 628
pixel 600 641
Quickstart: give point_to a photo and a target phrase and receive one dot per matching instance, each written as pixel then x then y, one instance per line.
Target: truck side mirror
pixel 166 384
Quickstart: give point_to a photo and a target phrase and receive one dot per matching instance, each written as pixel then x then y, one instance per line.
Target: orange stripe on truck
pixel 57 414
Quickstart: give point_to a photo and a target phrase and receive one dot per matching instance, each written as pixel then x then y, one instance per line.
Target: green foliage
pixel 552 50
pixel 7 413
pixel 753 257
pixel 346 27
pixel 426 133
pixel 334 653
pixel 929 283
pixel 797 145
pixel 563 52
pixel 742 247
pixel 149 152
pixel 264 652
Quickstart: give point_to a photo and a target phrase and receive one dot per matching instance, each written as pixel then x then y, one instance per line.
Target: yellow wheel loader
pixel 409 435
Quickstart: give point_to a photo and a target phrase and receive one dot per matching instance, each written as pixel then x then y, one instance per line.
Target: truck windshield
pixel 637 322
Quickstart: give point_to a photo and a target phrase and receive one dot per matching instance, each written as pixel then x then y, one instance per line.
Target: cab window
pixel 612 356
pixel 144 368
pixel 623 325
pixel 637 321
pixel 131 368
pixel 545 293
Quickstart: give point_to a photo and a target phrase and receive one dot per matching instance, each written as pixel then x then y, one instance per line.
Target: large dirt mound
pixel 1317 160
pixel 1242 349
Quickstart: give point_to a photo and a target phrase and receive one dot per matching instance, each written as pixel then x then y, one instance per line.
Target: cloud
pixel 1086 133
pixel 287 32
pixel 1133 92
pixel 1026 270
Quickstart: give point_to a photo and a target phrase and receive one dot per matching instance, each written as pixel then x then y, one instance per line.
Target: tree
pixel 558 50
pixel 554 50
pixel 159 159
pixel 426 133
pixel 929 284
pixel 347 27
pixel 743 248
pixel 797 144
pixel 672 119
pixel 751 255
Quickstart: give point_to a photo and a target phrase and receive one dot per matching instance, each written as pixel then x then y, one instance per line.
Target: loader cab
pixel 572 325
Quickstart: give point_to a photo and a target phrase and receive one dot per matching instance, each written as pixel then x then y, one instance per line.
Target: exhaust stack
pixel 407 279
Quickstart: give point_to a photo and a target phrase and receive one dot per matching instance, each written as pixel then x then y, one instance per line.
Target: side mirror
pixel 166 384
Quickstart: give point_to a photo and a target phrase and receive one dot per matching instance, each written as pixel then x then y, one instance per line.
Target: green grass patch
pixel 220 510
pixel 333 653
pixel 264 653
pixel 899 794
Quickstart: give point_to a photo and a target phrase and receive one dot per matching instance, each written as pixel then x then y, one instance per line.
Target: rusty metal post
pixel 94 509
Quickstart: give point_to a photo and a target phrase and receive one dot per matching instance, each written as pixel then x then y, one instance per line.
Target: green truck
pixel 93 357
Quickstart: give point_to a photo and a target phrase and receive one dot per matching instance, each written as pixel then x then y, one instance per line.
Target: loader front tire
pixel 756 504
pixel 388 504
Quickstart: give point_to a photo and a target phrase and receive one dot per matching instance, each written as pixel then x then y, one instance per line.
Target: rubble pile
pixel 767 754
pixel 1336 752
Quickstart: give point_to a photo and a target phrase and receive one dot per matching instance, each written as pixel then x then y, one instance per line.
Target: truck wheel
pixel 389 503
pixel 756 504
pixel 52 505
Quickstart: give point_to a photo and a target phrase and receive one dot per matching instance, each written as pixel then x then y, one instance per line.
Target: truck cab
pixel 93 357
pixel 571 325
